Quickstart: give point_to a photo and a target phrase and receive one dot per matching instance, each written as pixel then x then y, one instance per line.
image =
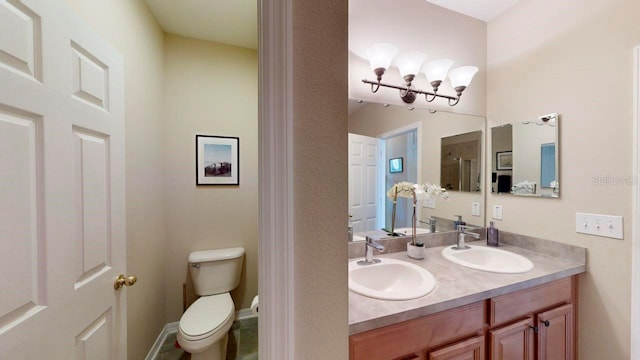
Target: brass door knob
pixel 122 280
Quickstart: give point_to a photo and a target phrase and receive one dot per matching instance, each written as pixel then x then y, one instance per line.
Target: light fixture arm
pixel 404 91
pixel 459 90
pixel 426 97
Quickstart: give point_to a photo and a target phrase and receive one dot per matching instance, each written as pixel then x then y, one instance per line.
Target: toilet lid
pixel 206 315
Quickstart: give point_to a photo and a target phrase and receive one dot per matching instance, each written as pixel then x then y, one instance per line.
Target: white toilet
pixel 204 326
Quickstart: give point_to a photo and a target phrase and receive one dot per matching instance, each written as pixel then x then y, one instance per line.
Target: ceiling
pixel 232 22
pixel 235 22
pixel 484 10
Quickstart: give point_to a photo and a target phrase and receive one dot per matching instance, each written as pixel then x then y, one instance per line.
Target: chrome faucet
pixel 462 231
pixel 368 252
pixel 432 224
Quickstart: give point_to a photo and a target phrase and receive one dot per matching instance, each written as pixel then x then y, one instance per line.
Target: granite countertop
pixel 458 285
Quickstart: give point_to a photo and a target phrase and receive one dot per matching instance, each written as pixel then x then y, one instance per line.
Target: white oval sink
pixel 390 279
pixel 408 231
pixel 488 259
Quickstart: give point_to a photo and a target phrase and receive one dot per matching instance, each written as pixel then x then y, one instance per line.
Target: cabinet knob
pixel 546 323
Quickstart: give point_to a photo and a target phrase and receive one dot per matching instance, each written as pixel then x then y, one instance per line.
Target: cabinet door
pixel 471 349
pixel 555 334
pixel 513 342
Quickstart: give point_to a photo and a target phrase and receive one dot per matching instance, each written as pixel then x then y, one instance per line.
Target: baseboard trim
pixel 170 328
pixel 244 314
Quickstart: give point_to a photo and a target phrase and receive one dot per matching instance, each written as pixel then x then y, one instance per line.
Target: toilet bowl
pixel 204 327
pixel 206 322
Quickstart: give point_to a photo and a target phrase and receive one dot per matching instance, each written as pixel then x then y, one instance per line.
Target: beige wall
pixel 210 89
pixel 320 179
pixel 130 28
pixel 575 57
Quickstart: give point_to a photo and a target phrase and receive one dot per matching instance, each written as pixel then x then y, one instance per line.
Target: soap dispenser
pixel 493 237
pixel 458 221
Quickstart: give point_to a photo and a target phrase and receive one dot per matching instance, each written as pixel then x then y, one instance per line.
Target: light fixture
pixel 410 64
pixel 380 57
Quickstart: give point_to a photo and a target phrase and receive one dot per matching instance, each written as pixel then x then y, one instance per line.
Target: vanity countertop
pixel 458 285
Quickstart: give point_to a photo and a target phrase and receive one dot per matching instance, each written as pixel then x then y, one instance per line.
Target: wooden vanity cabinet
pixel 535 323
pixel 413 339
pixel 511 342
pixel 556 339
pixel 553 334
pixel 471 349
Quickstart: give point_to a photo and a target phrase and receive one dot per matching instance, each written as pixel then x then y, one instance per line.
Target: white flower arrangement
pixel 420 192
pixel 433 190
pixel 417 192
pixel 402 189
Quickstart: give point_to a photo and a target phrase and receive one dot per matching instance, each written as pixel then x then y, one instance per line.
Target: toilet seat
pixel 207 316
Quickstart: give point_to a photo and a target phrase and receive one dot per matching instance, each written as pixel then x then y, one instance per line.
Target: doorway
pixel 400 165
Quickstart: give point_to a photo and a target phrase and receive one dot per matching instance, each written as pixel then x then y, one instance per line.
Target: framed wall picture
pixel 217 160
pixel 395 165
pixel 504 160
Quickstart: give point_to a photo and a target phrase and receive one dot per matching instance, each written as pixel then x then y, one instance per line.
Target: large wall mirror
pixel 525 158
pixel 389 144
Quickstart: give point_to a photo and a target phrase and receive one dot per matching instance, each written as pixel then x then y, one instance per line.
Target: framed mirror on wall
pixel 417 146
pixel 525 158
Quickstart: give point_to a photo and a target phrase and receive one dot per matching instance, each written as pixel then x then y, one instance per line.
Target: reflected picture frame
pixel 504 160
pixel 396 165
pixel 217 160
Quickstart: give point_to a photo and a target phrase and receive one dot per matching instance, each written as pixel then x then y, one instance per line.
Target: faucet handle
pixel 373 244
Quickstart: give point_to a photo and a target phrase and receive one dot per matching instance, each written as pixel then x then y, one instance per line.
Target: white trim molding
pixel 276 277
pixel 635 237
pixel 169 329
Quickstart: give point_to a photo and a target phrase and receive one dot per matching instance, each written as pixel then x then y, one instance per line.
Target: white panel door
pixel 62 229
pixel 363 165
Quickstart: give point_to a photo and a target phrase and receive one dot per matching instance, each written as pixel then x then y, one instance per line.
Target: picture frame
pixel 504 160
pixel 217 160
pixel 396 165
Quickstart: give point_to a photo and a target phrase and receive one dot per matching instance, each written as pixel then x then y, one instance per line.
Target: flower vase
pixel 415 251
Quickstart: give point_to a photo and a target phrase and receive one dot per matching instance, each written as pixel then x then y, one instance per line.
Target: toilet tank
pixel 216 271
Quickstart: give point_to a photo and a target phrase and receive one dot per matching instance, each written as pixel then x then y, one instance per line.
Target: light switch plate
pixel 600 225
pixel 497 212
pixel 430 203
pixel 475 209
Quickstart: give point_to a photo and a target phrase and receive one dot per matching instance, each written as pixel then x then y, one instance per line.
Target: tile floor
pixel 242 343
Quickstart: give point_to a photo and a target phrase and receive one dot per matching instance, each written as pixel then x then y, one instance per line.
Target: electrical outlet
pixel 600 225
pixel 475 209
pixel 430 203
pixel 497 212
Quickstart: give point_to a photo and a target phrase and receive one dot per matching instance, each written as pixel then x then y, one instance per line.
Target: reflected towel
pixel 254 306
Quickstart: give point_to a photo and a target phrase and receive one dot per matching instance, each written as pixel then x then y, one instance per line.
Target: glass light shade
pixel 462 76
pixel 437 70
pixel 410 63
pixel 380 55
